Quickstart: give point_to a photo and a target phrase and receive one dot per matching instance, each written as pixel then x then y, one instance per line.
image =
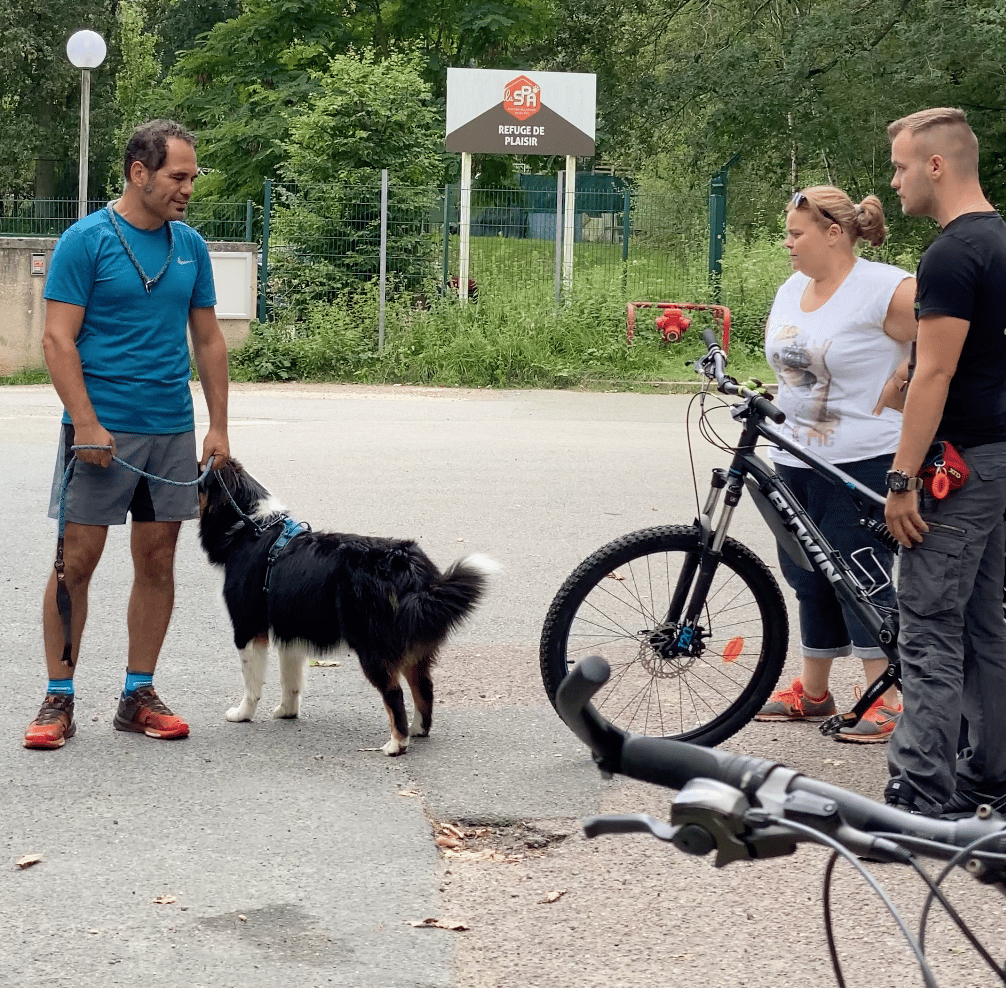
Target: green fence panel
pixel 222 221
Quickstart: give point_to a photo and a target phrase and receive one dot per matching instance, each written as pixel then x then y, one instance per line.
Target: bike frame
pixel 798 536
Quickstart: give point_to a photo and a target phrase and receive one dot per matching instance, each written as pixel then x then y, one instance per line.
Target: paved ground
pixel 291 852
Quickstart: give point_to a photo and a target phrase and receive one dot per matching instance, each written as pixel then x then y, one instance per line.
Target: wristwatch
pixel 898 481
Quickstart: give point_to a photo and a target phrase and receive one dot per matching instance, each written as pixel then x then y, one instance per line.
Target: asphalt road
pixel 292 852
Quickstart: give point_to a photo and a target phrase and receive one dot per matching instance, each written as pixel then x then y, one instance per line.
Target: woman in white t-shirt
pixel 839 328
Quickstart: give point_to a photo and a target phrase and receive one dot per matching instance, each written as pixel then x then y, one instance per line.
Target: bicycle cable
pixel 935 894
pixel 839 850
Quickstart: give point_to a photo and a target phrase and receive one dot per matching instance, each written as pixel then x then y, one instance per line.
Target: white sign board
pixel 510 111
pixel 234 280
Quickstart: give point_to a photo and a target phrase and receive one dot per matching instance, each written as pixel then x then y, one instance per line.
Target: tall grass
pixel 514 334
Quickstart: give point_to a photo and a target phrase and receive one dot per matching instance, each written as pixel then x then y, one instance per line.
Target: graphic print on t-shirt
pixel 803 369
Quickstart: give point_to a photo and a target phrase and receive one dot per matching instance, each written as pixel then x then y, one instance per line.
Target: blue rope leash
pixel 62 594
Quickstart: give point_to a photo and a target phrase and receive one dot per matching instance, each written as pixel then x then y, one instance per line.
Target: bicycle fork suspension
pixel 699 568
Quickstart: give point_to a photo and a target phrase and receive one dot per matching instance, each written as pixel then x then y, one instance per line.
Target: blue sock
pixel 62 687
pixel 134 680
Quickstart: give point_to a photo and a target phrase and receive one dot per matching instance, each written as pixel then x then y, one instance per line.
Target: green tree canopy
pixel 40 95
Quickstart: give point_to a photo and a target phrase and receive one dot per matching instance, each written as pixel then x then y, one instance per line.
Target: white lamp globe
pixel 86 49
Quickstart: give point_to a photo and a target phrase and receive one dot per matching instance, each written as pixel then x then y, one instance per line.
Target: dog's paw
pixel 395 747
pixel 242 712
pixel 287 711
pixel 416 729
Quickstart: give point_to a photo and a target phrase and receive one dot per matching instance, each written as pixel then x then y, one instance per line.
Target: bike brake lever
pixel 692 838
pixel 629 823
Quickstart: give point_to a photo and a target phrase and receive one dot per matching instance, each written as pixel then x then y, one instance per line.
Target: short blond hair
pixel 959 143
pixel 939 116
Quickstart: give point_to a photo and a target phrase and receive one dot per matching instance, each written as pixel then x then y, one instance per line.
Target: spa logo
pixel 521 98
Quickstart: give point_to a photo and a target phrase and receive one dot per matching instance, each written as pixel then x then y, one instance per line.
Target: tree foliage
pixel 40 94
pixel 244 81
pixel 365 112
pixel 802 88
pixel 136 80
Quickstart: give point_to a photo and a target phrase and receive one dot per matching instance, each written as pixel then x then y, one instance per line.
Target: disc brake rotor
pixel 662 657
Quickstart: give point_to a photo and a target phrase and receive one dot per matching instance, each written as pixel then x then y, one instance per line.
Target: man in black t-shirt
pixel 950 593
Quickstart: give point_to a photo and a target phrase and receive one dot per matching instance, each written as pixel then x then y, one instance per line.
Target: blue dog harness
pixel 291 529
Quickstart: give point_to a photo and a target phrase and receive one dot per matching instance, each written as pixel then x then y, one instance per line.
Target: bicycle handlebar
pixel 713 365
pixel 673 764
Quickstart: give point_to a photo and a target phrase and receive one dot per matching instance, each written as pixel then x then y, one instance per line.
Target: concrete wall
pixel 22 308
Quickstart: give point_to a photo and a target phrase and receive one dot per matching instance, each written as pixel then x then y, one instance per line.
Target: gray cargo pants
pixel 953 639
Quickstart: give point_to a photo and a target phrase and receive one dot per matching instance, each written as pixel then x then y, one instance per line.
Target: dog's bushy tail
pixel 431 614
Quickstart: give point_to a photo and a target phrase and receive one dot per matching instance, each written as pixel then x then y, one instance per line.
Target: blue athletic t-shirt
pixel 132 344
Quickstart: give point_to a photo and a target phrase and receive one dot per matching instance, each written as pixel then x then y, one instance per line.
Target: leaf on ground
pixel 614 576
pixel 486 854
pixel 834 761
pixel 409 792
pixel 553 896
pixel 439 924
pixel 324 663
pixel 449 828
pixel 28 860
pixel 446 841
pixel 165 900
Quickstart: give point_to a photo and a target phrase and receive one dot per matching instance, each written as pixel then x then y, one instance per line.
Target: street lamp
pixel 86 50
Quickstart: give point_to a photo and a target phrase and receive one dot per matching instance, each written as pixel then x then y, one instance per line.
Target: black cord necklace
pixel 148 283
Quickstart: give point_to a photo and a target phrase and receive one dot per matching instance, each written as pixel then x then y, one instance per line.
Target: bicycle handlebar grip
pixel 572 701
pixel 675 763
pixel 770 410
pixel 709 338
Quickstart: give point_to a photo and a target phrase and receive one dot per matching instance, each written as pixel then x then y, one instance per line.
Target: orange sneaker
pixel 874 727
pixel 54 723
pixel 143 712
pixel 794 704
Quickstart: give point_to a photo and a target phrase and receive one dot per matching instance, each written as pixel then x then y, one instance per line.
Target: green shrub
pixel 503 340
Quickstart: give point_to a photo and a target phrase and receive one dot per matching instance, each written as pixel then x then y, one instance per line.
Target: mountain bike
pixel 744 808
pixel 692 622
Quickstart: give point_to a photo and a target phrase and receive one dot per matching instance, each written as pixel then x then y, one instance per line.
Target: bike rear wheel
pixel 616 604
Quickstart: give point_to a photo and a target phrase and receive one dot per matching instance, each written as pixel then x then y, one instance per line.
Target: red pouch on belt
pixel 943 470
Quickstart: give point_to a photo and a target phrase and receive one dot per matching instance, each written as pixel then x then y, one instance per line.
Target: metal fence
pixel 320 239
pixel 228 221
pixel 316 242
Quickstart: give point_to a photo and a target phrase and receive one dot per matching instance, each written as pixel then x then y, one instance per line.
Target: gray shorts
pixel 102 495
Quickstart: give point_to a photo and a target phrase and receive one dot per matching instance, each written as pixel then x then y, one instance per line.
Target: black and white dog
pixel 313 591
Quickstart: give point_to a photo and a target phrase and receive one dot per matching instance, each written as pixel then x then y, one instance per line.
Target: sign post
pixel 465 225
pixel 569 231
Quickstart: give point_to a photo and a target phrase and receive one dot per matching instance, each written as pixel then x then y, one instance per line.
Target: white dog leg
pixel 292 659
pixel 253 660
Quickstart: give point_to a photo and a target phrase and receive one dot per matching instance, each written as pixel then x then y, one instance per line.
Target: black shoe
pixel 965 801
pixel 899 795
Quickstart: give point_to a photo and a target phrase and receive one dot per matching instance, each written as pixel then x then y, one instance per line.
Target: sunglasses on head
pixel 799 199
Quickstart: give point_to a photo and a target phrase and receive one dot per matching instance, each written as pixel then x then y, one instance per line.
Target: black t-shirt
pixel 963 274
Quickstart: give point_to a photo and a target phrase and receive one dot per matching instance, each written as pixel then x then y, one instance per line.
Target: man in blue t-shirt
pixel 952 639
pixel 123 285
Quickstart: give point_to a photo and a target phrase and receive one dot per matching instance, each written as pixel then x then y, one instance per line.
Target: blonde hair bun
pixel 869 222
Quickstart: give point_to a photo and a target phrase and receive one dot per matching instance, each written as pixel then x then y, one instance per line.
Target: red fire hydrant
pixel 672 323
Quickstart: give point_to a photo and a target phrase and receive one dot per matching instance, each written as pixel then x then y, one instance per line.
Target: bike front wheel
pixel 700 688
